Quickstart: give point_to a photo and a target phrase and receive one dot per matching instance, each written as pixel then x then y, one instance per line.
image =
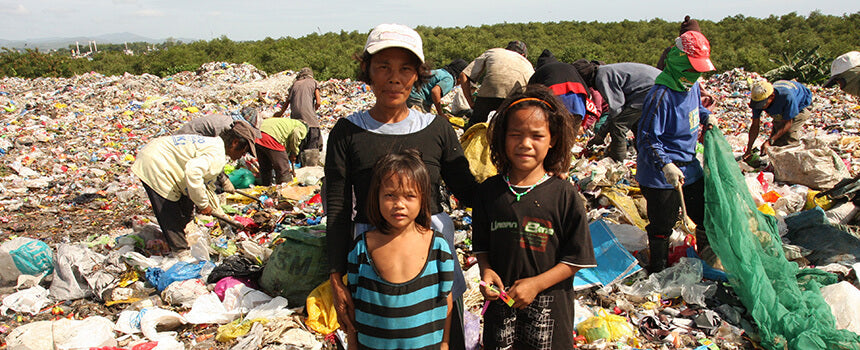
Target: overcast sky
pixel 258 19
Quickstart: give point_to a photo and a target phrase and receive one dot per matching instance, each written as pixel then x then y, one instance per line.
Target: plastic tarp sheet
pixel 614 262
pixel 789 315
pixel 810 229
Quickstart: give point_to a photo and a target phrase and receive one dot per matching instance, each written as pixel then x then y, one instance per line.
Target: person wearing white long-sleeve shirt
pixel 178 171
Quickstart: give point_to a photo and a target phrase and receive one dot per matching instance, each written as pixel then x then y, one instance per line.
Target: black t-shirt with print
pixel 525 238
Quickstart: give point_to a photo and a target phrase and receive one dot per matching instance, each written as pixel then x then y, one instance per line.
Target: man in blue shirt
pixel 788 103
pixel 666 144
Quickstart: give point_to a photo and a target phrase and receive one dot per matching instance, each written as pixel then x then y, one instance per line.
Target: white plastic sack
pixel 92 332
pixel 209 309
pixel 29 300
pixel 80 272
pixel 31 336
pixel 241 298
pixel 819 168
pixel 184 293
pixel 841 214
pixel 127 322
pixel 152 318
pixel 843 299
pixel 274 309
pixel 301 339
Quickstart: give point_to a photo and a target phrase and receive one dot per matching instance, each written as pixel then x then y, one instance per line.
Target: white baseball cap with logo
pixel 394 35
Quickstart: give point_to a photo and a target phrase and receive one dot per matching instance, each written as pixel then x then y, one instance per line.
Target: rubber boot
pixel 659 248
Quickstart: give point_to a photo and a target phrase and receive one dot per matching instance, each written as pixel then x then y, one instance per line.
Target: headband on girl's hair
pixel 524 99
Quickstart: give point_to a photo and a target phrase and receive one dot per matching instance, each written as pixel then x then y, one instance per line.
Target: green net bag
pixel 747 241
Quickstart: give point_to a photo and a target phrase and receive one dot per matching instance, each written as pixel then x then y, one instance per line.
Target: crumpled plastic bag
pixel 184 293
pixel 322 317
pixel 274 309
pixel 670 282
pixel 241 298
pixel 151 319
pixel 209 309
pixel 236 329
pixel 178 272
pixel 843 299
pixel 228 282
pixel 30 300
pixel 236 266
pixel 80 272
pixel 92 332
pixel 605 326
pixel 476 148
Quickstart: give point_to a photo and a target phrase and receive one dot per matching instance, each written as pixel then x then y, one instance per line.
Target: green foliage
pixel 757 44
pixel 805 66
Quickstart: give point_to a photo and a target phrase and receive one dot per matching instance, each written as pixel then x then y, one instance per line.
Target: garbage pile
pixel 83 265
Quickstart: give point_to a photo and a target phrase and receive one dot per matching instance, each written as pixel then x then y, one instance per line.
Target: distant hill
pixel 45 44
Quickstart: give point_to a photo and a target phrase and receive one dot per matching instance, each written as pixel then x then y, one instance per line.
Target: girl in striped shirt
pixel 400 273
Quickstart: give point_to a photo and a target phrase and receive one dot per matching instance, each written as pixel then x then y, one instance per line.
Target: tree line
pixel 756 44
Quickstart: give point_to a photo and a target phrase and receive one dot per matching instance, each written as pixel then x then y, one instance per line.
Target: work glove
pixel 224 181
pixel 711 123
pixel 674 175
pixel 228 187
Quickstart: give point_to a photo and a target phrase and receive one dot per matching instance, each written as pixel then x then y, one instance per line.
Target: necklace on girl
pixel 520 195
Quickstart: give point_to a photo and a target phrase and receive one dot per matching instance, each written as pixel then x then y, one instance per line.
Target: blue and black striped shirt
pixel 409 315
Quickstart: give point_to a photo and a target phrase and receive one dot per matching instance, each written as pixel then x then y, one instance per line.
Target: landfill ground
pixel 67 146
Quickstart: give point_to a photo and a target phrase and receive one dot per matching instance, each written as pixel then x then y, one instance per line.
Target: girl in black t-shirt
pixel 529 230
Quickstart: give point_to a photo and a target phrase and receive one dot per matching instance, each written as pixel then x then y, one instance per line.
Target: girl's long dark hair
pixel 561 128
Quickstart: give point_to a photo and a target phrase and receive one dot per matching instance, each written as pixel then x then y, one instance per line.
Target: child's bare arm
pixel 447 334
pixel 524 291
pixel 489 276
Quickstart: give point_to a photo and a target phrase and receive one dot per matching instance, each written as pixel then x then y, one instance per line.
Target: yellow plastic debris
pixel 322 317
pixel 812 202
pixel 236 329
pixel 476 146
pixel 766 208
pixel 605 326
pixel 619 198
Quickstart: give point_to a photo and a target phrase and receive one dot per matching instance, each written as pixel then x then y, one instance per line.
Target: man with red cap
pixel 666 143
